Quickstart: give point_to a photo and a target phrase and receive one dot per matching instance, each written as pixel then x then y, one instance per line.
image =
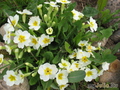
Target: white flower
pixel 22 38
pixel 84 61
pixel 20 77
pixel 62 87
pixel 63 1
pixel 64 64
pixel 105 65
pixel 51 3
pixel 90 74
pixel 47 71
pixel 11 78
pixel 61 77
pixel 25 11
pixel 8 49
pixel 81 54
pixel 74 54
pixel 75 66
pixel 1 58
pixel 45 40
pixel 82 43
pixel 13 20
pixel 8 27
pixel 100 72
pixel 34 22
pixel 93 24
pixel 34 42
pixel 7 37
pixel 39 6
pixel 90 48
pixel 49 30
pixel 77 15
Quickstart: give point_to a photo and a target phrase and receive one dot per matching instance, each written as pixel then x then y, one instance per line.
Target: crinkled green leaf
pixel 90 11
pixel 76 76
pixel 107 32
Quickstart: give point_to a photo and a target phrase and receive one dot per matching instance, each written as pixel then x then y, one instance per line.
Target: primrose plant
pixel 52 46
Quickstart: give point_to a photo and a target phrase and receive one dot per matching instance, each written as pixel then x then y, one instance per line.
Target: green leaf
pixel 54 86
pixel 115 48
pixel 101 4
pixel 46 84
pixel 90 11
pixel 107 32
pixel 48 55
pixel 39 88
pixel 57 58
pixel 76 76
pixel 67 47
pixel 33 80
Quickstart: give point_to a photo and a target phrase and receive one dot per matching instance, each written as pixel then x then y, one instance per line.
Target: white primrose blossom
pixel 63 1
pixel 90 48
pixel 62 77
pixel 105 65
pixel 45 40
pixel 74 66
pixel 47 71
pixel 34 41
pixel 1 58
pixel 62 87
pixel 51 3
pixel 84 61
pixel 77 15
pixel 64 64
pixel 83 43
pixel 90 74
pixel 25 11
pixel 34 23
pixel 11 78
pixel 93 24
pixel 81 54
pixel 13 20
pixel 49 31
pixel 20 77
pixel 22 38
pixel 74 54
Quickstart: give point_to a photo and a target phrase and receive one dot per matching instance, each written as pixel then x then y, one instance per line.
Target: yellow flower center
pixel 60 76
pixel 82 44
pixel 75 54
pixel 46 40
pixel 64 64
pixel 89 73
pixel 64 1
pixel 12 78
pixel 91 24
pixel 1 60
pixel 48 71
pixel 77 65
pixel 35 23
pixel 34 41
pixel 62 86
pixel 84 59
pixel 13 22
pixel 89 47
pixel 21 38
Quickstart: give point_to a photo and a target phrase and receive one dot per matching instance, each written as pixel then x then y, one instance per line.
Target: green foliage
pixel 90 11
pixel 76 76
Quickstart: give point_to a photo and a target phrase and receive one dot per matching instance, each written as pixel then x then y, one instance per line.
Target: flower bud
pixel 27 74
pixel 45 17
pixel 29 64
pixel 34 74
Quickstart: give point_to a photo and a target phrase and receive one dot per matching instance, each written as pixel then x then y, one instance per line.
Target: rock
pixel 113 74
pixel 3 86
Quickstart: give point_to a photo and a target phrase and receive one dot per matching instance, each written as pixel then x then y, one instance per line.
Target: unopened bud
pixel 29 64
pixel 27 74
pixel 34 74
